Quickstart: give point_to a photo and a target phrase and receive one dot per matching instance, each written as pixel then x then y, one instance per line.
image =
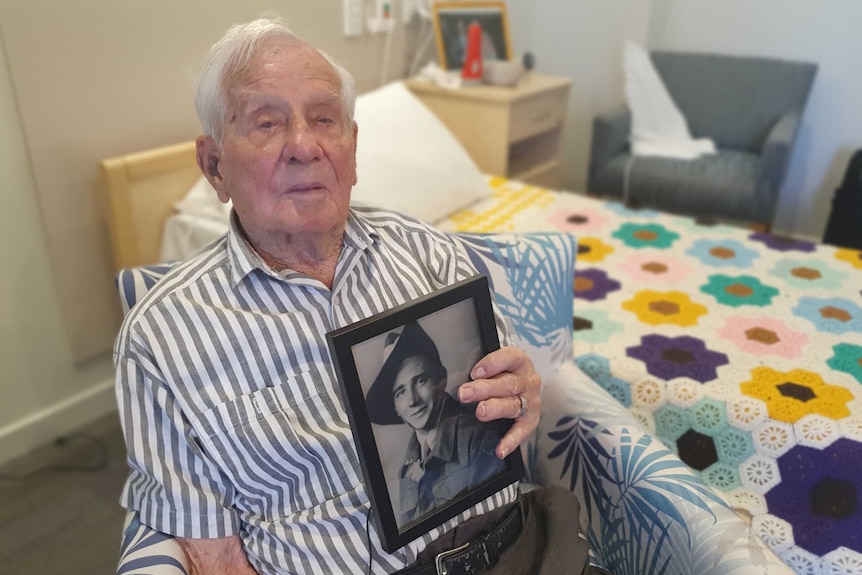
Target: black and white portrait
pixel 425 456
pixel 432 447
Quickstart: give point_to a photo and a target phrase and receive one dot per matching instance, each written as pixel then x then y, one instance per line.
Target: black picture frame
pixel 450 25
pixel 459 321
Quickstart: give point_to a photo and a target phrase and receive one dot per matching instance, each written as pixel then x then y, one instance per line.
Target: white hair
pixel 230 56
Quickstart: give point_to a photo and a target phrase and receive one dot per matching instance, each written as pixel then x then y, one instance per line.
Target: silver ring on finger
pixel 523 410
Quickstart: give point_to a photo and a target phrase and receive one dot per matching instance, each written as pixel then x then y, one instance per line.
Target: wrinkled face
pixel 288 156
pixel 416 393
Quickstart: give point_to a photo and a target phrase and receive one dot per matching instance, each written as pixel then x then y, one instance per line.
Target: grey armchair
pixel 750 107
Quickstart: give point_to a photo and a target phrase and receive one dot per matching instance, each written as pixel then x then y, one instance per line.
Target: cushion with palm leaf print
pixel 532 277
pixel 145 551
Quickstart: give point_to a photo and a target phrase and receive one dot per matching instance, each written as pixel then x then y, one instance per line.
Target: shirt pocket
pixel 283 449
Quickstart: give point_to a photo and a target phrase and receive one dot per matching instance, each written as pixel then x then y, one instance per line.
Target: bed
pixel 741 351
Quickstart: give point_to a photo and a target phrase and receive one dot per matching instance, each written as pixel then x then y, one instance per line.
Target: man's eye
pixel 325 120
pixel 266 125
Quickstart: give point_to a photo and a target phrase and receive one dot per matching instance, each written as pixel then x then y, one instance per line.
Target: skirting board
pixel 64 417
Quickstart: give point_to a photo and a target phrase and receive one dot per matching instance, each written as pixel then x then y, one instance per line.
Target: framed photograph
pixel 425 457
pixel 451 20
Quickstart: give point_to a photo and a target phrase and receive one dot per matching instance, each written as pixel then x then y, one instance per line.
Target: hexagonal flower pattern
pixel 705 441
pixel 594 326
pixel 598 368
pixel 819 496
pixel 652 268
pixel 681 356
pixel 592 249
pixel 594 365
pixel 791 395
pixel 847 358
pixel 721 253
pixel 833 314
pixel 739 350
pixel 673 307
pixel 646 235
pixel 808 274
pixel 852 257
pixel 763 335
pixel 593 284
pixel 739 290
pixel 581 220
pixel 782 244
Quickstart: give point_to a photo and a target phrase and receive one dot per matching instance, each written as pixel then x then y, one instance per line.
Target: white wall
pixel 826 32
pixel 44 393
pixel 582 40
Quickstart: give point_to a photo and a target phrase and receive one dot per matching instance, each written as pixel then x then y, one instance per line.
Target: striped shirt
pixel 230 404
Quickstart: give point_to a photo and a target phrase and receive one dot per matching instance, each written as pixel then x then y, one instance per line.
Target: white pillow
pixel 658 127
pixel 407 160
pixel 202 201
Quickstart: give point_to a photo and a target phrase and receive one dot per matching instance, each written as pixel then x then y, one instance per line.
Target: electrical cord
pixel 429 36
pixel 100 464
pixel 387 55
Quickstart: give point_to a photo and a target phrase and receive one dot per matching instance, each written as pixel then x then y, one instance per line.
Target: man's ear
pixel 209 158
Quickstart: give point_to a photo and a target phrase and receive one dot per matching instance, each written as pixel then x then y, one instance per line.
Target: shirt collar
pixel 441 440
pixel 243 259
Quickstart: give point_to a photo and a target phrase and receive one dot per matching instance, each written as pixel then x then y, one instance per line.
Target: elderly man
pixel 237 441
pixel 450 450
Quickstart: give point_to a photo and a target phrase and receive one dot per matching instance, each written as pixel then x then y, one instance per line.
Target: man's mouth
pixel 306 187
pixel 419 412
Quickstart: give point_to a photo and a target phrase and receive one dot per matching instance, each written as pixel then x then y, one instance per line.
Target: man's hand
pixel 223 556
pixel 499 379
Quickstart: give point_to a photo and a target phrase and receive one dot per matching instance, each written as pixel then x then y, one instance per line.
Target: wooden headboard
pixel 141 190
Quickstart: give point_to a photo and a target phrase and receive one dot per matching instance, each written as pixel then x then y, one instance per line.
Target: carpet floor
pixel 59 510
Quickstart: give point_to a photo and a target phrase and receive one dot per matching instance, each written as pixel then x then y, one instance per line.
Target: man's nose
pixel 414 397
pixel 301 145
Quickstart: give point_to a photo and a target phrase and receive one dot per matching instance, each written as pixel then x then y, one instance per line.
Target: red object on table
pixel 472 70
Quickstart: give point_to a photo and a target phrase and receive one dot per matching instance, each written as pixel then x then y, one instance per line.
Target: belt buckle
pixel 438 560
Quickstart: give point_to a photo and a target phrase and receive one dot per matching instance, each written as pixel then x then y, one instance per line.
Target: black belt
pixel 477 555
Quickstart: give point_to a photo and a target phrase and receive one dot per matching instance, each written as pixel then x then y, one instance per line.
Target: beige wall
pixel 86 80
pixel 97 78
pixel 89 79
pixel 44 392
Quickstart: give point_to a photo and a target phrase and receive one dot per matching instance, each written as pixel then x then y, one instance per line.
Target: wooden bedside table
pixel 512 132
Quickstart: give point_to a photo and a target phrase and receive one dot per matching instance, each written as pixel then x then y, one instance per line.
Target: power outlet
pixel 380 16
pixel 352 17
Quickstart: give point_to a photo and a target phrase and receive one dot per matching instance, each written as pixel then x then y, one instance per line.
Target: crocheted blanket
pixel 741 351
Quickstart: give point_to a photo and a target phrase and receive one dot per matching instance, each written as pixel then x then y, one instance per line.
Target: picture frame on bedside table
pixel 425 458
pixel 451 20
